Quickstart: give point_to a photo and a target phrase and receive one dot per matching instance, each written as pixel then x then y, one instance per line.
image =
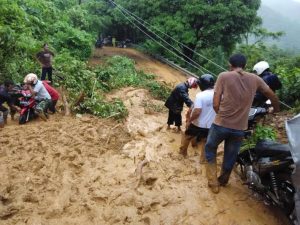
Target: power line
pixel 202 56
pixel 121 9
pixel 159 42
pixel 201 68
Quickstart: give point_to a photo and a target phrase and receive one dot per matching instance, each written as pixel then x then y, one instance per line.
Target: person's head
pixel 237 61
pixel 31 79
pixel 192 82
pixel 261 67
pixel 205 82
pixel 8 84
pixel 45 46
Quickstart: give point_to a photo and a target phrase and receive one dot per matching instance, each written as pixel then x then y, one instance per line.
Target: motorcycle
pixel 27 104
pixel 270 168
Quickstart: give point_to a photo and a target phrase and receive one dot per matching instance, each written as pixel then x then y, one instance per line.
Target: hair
pixel 7 83
pixel 238 60
pixel 44 45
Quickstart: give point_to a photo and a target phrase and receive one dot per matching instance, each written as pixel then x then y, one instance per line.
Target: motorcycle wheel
pixel 22 119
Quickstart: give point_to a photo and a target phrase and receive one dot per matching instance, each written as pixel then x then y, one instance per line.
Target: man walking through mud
pixel 233 95
pixel 199 117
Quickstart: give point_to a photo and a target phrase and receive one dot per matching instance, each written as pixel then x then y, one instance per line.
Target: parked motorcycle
pixel 269 167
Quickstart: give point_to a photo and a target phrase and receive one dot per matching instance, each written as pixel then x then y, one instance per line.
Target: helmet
pixel 31 78
pixel 192 82
pixel 260 67
pixel 206 81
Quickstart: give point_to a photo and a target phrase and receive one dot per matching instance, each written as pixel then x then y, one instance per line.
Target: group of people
pixel 44 94
pixel 220 113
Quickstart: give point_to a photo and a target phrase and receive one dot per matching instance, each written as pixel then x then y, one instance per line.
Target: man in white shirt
pixel 40 93
pixel 200 117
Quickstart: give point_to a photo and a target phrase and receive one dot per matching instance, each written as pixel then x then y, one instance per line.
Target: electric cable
pixel 202 56
pixel 160 43
pixel 201 68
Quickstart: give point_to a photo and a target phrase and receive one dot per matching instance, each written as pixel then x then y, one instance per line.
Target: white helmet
pixel 260 67
pixel 31 78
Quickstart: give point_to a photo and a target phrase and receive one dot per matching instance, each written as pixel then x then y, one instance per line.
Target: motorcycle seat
pixel 272 148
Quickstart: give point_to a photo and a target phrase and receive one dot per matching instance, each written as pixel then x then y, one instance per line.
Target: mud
pixel 82 170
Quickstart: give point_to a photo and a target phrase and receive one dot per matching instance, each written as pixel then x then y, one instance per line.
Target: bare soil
pixel 82 170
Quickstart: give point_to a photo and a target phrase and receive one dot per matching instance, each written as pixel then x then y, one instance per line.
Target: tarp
pixel 293 133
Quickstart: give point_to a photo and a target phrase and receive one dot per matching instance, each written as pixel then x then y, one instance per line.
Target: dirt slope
pixel 73 170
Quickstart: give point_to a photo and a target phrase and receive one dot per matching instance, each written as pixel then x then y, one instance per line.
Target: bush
pixel 260 133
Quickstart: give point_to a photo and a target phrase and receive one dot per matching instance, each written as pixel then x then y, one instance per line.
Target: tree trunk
pixel 188 51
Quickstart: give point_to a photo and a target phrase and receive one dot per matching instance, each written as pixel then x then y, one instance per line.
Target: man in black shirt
pixel 5 97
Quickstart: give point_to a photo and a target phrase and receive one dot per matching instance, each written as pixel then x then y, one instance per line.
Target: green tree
pixel 198 24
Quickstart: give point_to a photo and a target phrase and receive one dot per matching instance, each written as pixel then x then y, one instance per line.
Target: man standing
pixel 233 95
pixel 45 59
pixel 178 97
pixel 200 118
pixel 262 69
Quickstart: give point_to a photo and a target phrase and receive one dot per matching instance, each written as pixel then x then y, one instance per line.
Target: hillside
pixel 282 16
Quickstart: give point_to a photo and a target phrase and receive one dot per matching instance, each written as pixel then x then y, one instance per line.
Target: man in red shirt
pixel 54 95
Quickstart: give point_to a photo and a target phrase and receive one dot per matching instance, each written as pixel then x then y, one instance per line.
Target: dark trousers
pixel 52 106
pixel 4 110
pixel 174 117
pixel 45 71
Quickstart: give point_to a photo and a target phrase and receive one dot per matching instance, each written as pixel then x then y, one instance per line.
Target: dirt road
pixel 73 170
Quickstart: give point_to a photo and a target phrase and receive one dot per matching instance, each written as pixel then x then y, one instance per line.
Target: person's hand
pixel 271 110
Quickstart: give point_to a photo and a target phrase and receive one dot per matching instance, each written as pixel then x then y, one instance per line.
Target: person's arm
pixel 267 91
pixel 272 96
pixel 38 58
pixel 196 113
pixel 217 101
pixel 13 107
pixel 52 53
pixel 10 103
pixel 186 98
pixel 31 90
pixel 218 92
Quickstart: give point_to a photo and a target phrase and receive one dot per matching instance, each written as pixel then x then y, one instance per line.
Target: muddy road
pixel 81 170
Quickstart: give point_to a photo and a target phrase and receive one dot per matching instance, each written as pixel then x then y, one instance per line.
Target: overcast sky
pixel 297 1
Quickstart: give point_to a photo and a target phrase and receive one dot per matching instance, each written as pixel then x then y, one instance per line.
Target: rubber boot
pixel 211 175
pixel 41 114
pixel 183 151
pixel 5 114
pixel 184 145
pixel 224 177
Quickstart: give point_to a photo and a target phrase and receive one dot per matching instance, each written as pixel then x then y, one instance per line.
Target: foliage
pixel 26 24
pixel 260 133
pixel 120 72
pixel 198 24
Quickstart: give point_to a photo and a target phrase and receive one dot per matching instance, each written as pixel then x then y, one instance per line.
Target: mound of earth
pixel 83 170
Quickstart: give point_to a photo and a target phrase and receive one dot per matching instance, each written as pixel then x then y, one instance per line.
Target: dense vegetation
pixel 71 28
